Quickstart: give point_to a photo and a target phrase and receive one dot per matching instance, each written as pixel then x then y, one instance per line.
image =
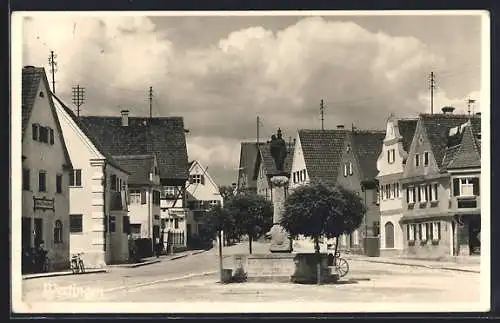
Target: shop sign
pixel 43 203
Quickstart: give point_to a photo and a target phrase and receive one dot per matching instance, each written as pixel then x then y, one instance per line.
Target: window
pixel 436 231
pixel 42 181
pixel 156 197
pixel 411 232
pixel 398 193
pixel 466 186
pixel 420 231
pixel 170 192
pixel 393 190
pixel 382 192
pixel 134 197
pixel 304 174
pixel 350 168
pixel 58 232
pixel 294 177
pixel 196 179
pixel 388 191
pixel 428 230
pixel 34 131
pixel 44 134
pixel 75 223
pixel 126 224
pixel 112 223
pixel 426 158
pixel 176 223
pixel 433 189
pixel 214 203
pixel 26 179
pixel 391 156
pixel 410 194
pixel 59 183
pixel 345 169
pixel 423 193
pixel 112 180
pixel 75 177
pixel 143 196
pixel 51 134
pixel 417 160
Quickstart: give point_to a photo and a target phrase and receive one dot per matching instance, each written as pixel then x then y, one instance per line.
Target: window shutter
pixel 51 136
pixel 408 232
pixel 419 194
pixel 72 178
pixel 389 156
pixel 439 230
pixel 78 177
pixel 34 130
pixel 456 186
pixel 143 196
pixel 408 195
pixel 475 182
pixel 435 192
pixel 202 179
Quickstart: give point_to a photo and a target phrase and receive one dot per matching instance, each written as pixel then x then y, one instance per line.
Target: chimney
pixel 448 110
pixel 340 126
pixel 124 114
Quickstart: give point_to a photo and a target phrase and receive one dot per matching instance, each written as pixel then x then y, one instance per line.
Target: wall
pixel 207 192
pixel 298 164
pixel 50 158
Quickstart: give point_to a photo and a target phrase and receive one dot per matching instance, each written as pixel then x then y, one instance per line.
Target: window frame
pixel 74 176
pixel 44 188
pixel 59 181
pixel 417 160
pixel 426 158
pixel 411 194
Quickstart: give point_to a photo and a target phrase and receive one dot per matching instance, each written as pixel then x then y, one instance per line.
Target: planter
pixel 306 268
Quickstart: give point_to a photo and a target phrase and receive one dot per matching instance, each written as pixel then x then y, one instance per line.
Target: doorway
pixel 475 236
pixel 26 234
pixel 389 235
pixel 38 231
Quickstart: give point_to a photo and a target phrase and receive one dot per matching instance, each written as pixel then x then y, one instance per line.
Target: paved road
pixel 182 280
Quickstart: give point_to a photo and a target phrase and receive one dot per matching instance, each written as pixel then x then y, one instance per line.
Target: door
pixel 38 231
pixel 389 235
pixel 475 236
pixel 26 232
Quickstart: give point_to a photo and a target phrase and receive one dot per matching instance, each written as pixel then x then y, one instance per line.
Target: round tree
pixel 320 210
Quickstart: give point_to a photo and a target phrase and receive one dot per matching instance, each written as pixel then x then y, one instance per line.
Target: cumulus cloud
pixel 278 74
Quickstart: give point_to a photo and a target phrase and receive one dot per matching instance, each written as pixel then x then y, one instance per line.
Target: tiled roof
pixel 248 157
pixel 268 160
pixel 139 167
pixel 163 136
pixel 406 129
pixel 322 150
pixel 466 154
pixel 30 82
pixel 87 133
pixel 367 146
pixel 437 127
pixel 31 78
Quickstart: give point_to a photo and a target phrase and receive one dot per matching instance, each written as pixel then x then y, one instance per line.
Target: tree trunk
pixel 250 243
pixel 220 256
pixel 318 260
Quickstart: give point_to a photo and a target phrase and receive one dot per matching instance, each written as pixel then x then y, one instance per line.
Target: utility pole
pixel 432 81
pixel 150 102
pixel 53 69
pixel 322 112
pixel 78 98
pixel 258 127
pixel 470 103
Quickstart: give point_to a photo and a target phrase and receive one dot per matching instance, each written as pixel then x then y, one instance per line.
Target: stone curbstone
pixel 64 273
pixel 418 265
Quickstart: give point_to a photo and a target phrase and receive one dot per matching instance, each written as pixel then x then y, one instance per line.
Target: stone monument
pixel 280 240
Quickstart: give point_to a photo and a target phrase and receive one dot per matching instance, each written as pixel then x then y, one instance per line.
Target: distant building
pixel 46 170
pixel 441 186
pixel 163 136
pixel 248 157
pixel 143 195
pixel 202 194
pixel 99 221
pixel 390 166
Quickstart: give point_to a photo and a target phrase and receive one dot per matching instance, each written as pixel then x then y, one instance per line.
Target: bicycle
pixel 341 265
pixel 77 265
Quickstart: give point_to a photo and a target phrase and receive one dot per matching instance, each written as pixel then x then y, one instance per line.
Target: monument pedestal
pixel 280 240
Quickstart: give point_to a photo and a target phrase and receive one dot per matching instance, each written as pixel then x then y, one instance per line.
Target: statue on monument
pixel 278 150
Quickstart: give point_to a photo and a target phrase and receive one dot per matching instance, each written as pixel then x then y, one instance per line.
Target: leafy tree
pixel 227 192
pixel 252 214
pixel 215 220
pixel 320 210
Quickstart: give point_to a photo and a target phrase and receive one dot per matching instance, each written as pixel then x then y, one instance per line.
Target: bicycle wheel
pixel 342 267
pixel 82 267
pixel 74 267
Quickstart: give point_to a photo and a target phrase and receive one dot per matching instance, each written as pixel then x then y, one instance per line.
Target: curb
pixel 197 252
pixel 64 273
pixel 139 264
pixel 419 265
pixel 178 257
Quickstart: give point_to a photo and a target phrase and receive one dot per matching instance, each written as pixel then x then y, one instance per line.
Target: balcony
pixel 465 203
pixel 117 201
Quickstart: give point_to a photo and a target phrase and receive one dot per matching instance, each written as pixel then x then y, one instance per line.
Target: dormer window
pixel 391 156
pixel 197 179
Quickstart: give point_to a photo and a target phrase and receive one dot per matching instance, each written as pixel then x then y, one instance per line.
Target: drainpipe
pixel 106 218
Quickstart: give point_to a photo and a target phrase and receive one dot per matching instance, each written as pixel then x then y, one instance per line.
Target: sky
pixel 221 72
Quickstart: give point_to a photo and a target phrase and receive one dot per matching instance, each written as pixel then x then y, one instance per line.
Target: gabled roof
pixel 31 78
pixel 322 151
pixel 138 166
pixel 463 150
pixel 264 156
pixel 367 146
pixel 437 127
pixel 407 129
pixel 248 156
pixel 87 133
pixel 163 136
pixel 203 169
